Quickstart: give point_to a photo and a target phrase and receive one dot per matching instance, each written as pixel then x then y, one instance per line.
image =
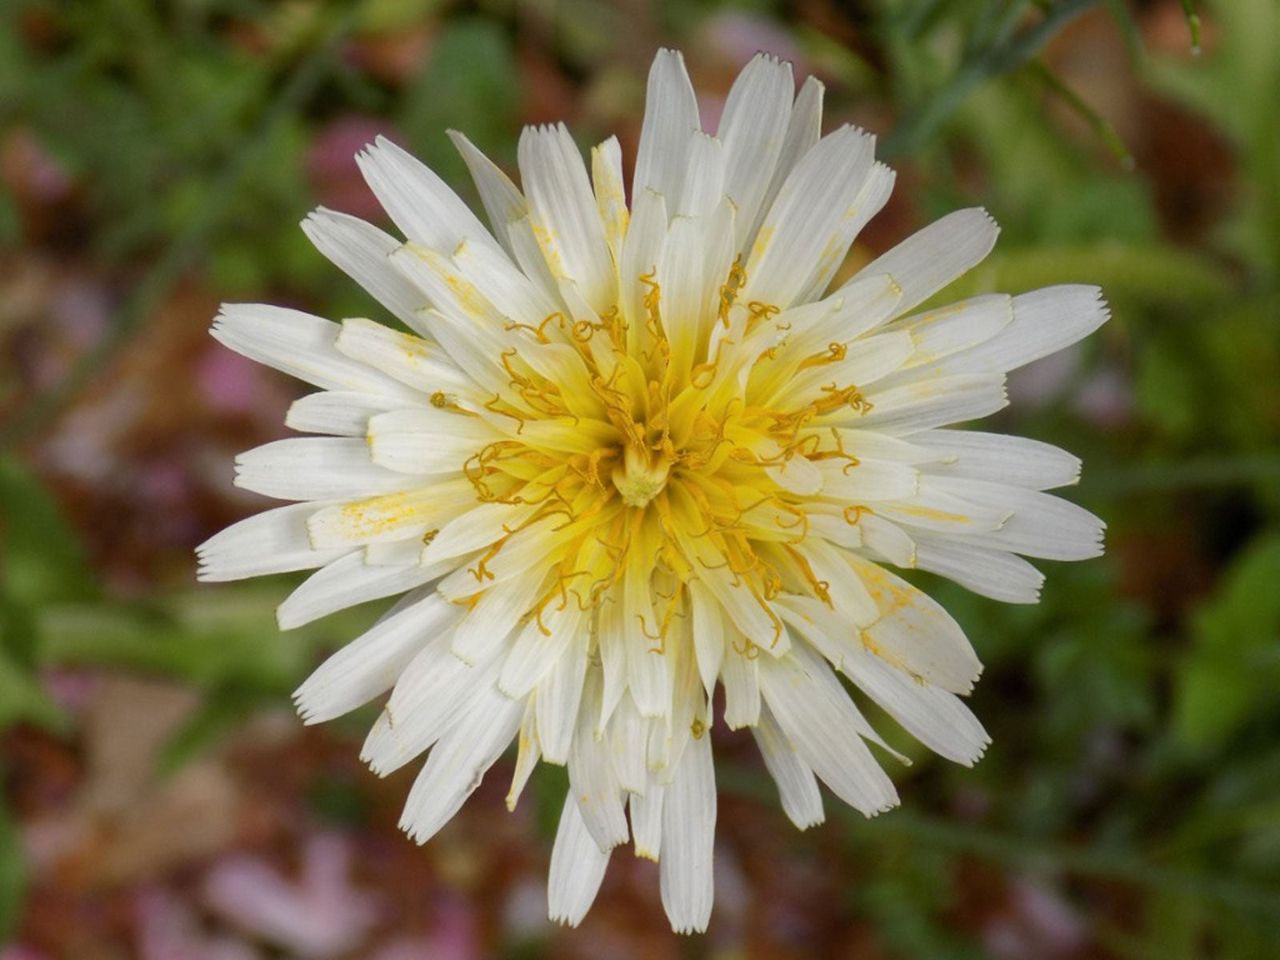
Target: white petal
pixel 346 582
pixel 832 566
pixel 559 701
pixel 344 413
pixel 708 634
pixel 393 553
pixel 853 311
pixel 686 874
pixel 274 541
pixel 641 257
pixel 888 540
pixel 504 204
pixel 537 649
pixel 1044 322
pixel 298 344
pixel 931 402
pixel 592 780
pixel 534 547
pixel 628 734
pixel 796 474
pixel 670 115
pixel 408 359
pixel 489 623
pixel 459 761
pixel 528 753
pixel 946 330
pixel 360 250
pixel 868 480
pixel 648 670
pixel 825 727
pixel 934 717
pixel 611 644
pixel 432 692
pixel 811 206
pixel 390 517
pixel 317 468
pixel 935 508
pixel 479 527
pixel 931 258
pixel 370 664
pixel 424 440
pixel 684 292
pixel 511 293
pixel 423 206
pixel 865 361
pixel 610 191
pixel 996 456
pixel 577 868
pixel 529 258
pixel 704 182
pixel 804 129
pixel 753 128
pixel 646 820
pixel 915 633
pixel 992 573
pixel 797 786
pixel 875 193
pixel 741 680
pixel 567 223
pixel 1038 525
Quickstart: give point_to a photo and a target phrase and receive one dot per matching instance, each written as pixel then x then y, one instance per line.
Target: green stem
pixel 1004 57
pixel 1099 124
pixel 1154 477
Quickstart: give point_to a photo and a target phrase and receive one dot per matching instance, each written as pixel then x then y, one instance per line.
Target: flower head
pixel 633 452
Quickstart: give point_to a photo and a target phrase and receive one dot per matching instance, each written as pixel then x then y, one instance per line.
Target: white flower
pixel 630 453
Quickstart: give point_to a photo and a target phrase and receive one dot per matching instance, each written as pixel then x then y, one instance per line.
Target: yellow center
pixel 657 468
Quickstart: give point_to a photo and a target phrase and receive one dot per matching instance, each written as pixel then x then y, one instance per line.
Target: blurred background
pixel 160 801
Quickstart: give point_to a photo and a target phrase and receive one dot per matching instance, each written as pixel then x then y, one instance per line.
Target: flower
pixel 628 454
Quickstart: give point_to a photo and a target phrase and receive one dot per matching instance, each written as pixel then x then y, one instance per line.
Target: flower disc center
pixel 641 476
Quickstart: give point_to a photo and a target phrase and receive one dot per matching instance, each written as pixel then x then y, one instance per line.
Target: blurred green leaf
pixel 24 700
pixel 13 875
pixel 40 557
pixel 1235 88
pixel 1234 666
pixel 470 84
pixel 223 709
pixel 1151 275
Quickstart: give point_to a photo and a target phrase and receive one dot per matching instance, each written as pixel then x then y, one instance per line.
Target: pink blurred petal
pixel 737 36
pixel 1106 399
pixel 332 170
pixel 1038 384
pixel 167 930
pixel 229 382
pixel 321 916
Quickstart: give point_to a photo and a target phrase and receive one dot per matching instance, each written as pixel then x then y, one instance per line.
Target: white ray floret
pixel 634 449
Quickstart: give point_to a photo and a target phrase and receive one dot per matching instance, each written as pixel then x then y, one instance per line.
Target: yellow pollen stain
pixel 378 515
pixel 931 513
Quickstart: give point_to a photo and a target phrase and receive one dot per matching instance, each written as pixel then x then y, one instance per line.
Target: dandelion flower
pixel 630 452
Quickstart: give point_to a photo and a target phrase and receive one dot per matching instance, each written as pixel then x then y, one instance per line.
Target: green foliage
pixel 13 876
pixel 1229 676
pixel 1237 91
pixel 146 115
pixel 469 84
